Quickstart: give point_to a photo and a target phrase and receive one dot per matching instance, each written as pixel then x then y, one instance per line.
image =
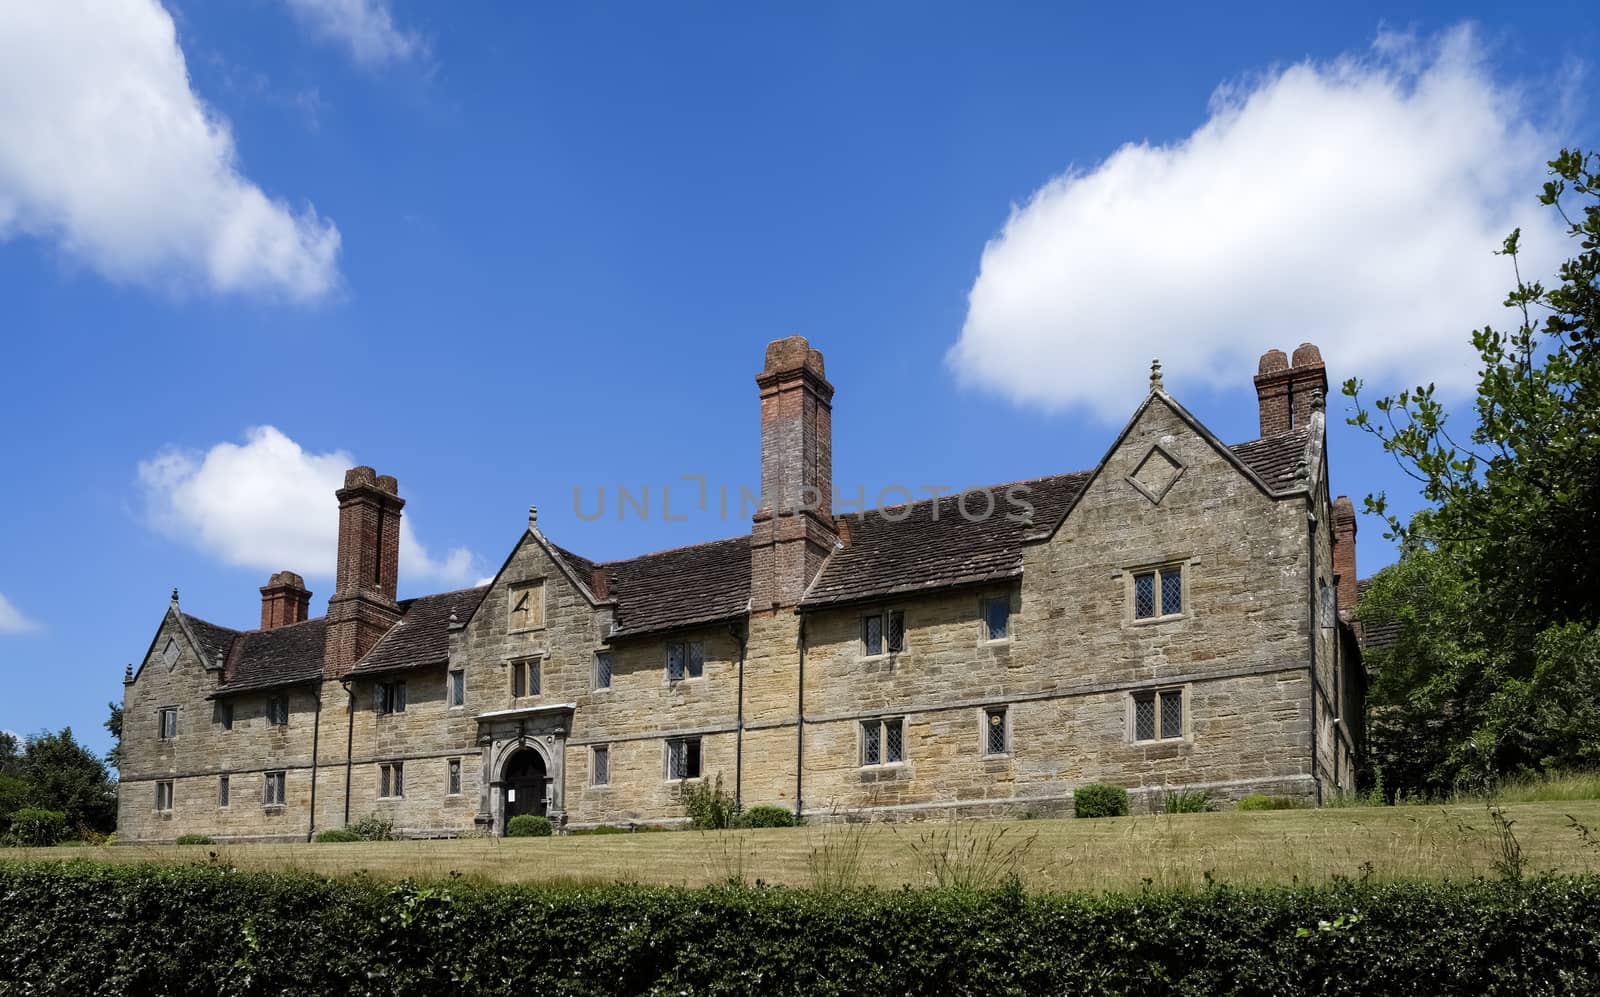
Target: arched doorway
pixel 524 785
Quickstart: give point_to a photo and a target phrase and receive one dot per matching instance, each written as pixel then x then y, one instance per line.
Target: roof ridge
pixel 953 496
pixel 669 550
pixel 200 619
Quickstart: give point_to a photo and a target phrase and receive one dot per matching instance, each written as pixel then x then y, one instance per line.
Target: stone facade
pixel 584 691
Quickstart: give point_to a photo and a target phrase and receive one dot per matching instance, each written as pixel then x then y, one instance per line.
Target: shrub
pixel 1188 801
pixel 38 827
pixel 708 806
pixel 195 839
pixel 200 929
pixel 767 817
pixel 336 835
pixel 374 827
pixel 528 826
pixel 1261 801
pixel 1100 800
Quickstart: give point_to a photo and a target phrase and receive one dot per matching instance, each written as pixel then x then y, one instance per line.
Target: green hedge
pixel 765 816
pixel 1099 800
pixel 87 928
pixel 528 826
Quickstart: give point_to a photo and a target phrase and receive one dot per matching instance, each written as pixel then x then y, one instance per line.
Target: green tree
pixel 1497 591
pixel 64 775
pixel 113 725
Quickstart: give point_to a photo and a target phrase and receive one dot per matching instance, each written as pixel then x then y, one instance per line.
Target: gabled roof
pixel 682 587
pixel 422 637
pixel 211 640
pixel 269 659
pixel 931 545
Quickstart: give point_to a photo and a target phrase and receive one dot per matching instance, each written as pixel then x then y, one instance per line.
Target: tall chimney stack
pixel 1344 555
pixel 362 607
pixel 1284 391
pixel 793 530
pixel 285 600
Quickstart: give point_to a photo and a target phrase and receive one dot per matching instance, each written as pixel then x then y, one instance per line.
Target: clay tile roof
pixel 581 566
pixel 213 640
pixel 1374 636
pixel 1274 458
pixel 678 588
pixel 930 544
pixel 267 659
pixel 422 637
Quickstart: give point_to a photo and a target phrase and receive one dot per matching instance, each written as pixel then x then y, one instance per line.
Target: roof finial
pixel 1316 400
pixel 533 517
pixel 127 674
pixel 1155 375
pixel 174 596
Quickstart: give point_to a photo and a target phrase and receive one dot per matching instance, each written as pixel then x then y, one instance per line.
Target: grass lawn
pixel 1305 846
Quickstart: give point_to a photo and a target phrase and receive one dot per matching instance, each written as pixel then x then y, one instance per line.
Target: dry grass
pixel 1182 850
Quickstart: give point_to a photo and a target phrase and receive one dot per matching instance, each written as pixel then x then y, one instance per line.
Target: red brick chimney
pixel 793 529
pixel 1344 555
pixel 362 607
pixel 1285 391
pixel 284 600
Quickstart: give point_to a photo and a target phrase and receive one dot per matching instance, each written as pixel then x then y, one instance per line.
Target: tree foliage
pixel 1496 595
pixel 54 772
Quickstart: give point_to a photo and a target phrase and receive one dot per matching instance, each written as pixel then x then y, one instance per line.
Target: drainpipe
pixel 316 733
pixel 1311 602
pixel 743 637
pixel 349 744
pixel 800 729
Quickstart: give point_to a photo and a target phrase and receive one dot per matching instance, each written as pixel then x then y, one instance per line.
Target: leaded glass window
pixel 1158 716
pixel 602 670
pixel 997 618
pixel 994 731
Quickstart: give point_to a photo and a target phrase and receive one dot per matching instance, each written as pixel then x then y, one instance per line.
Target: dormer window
pixel 526 607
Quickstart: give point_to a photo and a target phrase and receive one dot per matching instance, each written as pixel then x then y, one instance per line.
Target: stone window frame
pixel 1130 573
pixel 1183 692
pixel 274 789
pixel 389 697
pixel 595 684
pixel 531 587
pixel 1003 710
pixel 984 602
pixel 164 795
pixel 687 659
pixel 277 717
pixel 452 777
pixel 224 792
pixel 167 731
pixel 526 673
pixel 222 714
pixel 886 618
pixel 392 780
pixel 699 757
pixel 597 751
pixel 882 725
pixel 455 689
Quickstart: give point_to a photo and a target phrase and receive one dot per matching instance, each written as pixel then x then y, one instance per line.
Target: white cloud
pixel 107 151
pixel 267 503
pixel 366 26
pixel 1354 204
pixel 12 620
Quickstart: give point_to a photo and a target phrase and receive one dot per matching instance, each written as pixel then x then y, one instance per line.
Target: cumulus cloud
pixel 268 503
pixel 366 27
pixel 107 152
pixel 1355 204
pixel 12 620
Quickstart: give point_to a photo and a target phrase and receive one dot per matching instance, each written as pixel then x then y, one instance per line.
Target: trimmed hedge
pixel 1261 801
pixel 528 826
pixel 337 835
pixel 195 839
pixel 207 929
pixel 767 816
pixel 1099 800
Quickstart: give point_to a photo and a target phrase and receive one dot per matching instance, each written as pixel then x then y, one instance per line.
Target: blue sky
pixel 505 250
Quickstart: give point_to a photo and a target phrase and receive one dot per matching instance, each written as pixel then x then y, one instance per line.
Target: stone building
pixel 1177 616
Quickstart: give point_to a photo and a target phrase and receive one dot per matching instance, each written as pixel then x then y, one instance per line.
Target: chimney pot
pixel 285 601
pixel 366 577
pixel 794 528
pixel 1287 394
